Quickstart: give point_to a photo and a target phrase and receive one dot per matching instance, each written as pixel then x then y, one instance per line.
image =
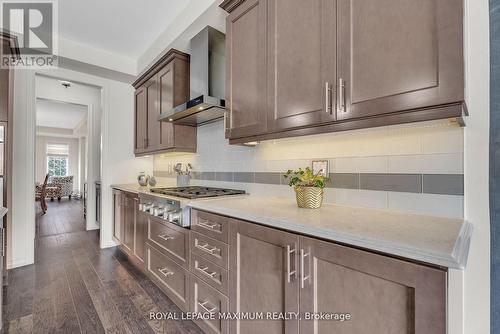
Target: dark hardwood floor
pixel 75 287
pixel 65 216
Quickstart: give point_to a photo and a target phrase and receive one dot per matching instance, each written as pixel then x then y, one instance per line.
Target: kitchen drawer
pixel 170 239
pixel 169 276
pixel 211 225
pixel 210 273
pixel 205 299
pixel 210 249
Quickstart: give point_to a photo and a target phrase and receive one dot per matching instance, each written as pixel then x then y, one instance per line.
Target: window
pixel 57 165
pixel 57 159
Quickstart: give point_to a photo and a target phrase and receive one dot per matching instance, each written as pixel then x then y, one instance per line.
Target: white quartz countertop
pixel 434 240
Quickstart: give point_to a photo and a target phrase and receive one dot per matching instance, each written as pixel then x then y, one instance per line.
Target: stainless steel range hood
pixel 207 80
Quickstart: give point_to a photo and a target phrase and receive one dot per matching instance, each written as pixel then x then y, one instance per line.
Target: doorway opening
pixel 67 156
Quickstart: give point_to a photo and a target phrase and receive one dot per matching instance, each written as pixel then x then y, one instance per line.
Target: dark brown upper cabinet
pixel 301 63
pixel 334 65
pixel 164 86
pixel 246 70
pixel 397 55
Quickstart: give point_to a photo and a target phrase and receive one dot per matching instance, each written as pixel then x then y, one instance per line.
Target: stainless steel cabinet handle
pixel 165 272
pixel 207 225
pixel 207 248
pixel 205 271
pixel 328 98
pixel 204 304
pixel 341 95
pixel 289 271
pixel 303 276
pixel 165 237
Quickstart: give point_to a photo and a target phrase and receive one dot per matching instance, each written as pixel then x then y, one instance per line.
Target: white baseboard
pixel 18 263
pixel 109 244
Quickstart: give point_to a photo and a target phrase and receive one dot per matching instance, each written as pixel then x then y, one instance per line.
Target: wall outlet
pixel 321 167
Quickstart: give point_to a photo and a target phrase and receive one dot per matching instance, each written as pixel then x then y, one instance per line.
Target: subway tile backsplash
pixel 412 168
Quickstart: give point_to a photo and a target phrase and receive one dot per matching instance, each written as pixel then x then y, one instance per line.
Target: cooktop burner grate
pixel 196 192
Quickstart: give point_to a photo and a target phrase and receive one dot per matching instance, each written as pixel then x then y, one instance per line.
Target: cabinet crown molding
pixel 165 59
pixel 230 5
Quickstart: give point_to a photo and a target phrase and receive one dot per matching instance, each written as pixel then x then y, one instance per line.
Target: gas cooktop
pixel 193 192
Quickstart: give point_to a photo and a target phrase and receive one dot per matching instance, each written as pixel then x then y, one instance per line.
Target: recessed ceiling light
pixel 170 119
pixel 65 83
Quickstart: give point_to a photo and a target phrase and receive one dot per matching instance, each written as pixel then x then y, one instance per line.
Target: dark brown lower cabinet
pixel 381 294
pixel 276 271
pixel 169 276
pixel 207 300
pixel 263 269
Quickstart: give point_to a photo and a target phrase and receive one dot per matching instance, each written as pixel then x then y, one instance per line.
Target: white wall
pixel 41 157
pixel 119 164
pixel 476 277
pixel 193 18
pixel 21 232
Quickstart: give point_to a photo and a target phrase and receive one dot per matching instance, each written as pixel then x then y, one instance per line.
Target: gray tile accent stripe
pixel 440 184
pixel 411 183
pixel 245 177
pixel 209 176
pixel 224 176
pixel 444 184
pixel 268 178
pixel 343 180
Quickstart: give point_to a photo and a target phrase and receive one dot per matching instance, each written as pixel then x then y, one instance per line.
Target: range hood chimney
pixel 207 79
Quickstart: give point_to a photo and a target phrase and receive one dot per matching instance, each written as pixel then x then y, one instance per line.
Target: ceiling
pixel 61 115
pixel 125 27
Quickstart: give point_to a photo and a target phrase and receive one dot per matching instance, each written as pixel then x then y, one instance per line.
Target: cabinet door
pixel 382 294
pixel 165 81
pixel 118 215
pixel 129 214
pixel 153 137
pixel 396 55
pixel 301 63
pixel 141 118
pixel 263 264
pixel 246 69
pixel 141 228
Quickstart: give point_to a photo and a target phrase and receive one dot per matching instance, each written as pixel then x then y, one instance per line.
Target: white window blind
pixel 57 149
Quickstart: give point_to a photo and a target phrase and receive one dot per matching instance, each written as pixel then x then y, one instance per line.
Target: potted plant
pixel 308 187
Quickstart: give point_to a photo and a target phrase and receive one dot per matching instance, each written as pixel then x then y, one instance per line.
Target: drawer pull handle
pixel 165 272
pixel 206 272
pixel 209 226
pixel 165 237
pixel 207 248
pixel 208 309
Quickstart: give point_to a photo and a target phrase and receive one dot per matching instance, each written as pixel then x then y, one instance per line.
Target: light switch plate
pixel 320 165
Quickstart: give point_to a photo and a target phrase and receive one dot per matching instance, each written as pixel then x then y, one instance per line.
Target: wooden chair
pixel 40 194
